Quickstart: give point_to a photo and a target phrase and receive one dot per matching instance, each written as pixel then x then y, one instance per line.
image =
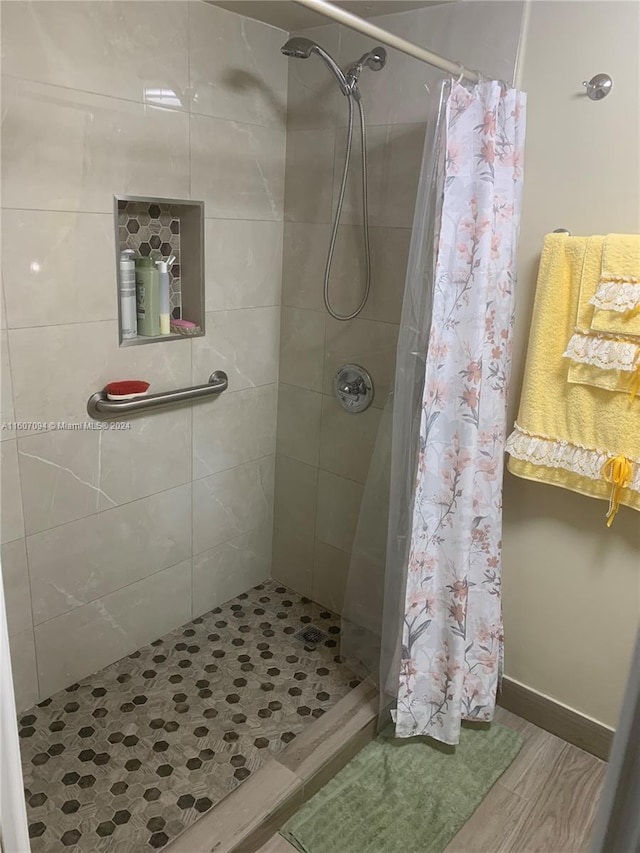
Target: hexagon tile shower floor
pixel 130 756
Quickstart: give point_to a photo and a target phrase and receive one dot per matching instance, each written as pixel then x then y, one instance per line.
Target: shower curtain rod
pixel 327 9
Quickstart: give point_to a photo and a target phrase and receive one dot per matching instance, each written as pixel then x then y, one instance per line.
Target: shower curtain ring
pixel 461 75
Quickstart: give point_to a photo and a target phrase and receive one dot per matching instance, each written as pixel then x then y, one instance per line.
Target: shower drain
pixel 311 635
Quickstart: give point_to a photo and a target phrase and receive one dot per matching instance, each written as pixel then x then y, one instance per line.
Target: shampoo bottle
pixel 148 297
pixel 163 273
pixel 128 321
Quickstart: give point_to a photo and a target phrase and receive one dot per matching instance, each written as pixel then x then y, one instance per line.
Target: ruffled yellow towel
pixel 617 298
pixel 605 346
pixel 582 438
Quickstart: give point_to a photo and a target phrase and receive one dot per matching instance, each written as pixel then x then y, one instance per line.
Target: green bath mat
pixel 403 796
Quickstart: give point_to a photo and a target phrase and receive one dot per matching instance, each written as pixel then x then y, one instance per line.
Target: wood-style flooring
pixel 544 803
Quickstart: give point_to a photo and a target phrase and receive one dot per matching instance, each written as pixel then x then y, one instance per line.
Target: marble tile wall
pixel 323 452
pixel 118 536
pixel 194 103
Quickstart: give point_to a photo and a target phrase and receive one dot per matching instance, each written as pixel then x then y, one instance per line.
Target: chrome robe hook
pixel 598 87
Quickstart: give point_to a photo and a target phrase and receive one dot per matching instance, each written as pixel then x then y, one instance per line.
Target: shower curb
pixel 248 817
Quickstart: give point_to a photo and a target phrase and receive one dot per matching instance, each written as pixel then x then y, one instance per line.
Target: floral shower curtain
pixel 452 629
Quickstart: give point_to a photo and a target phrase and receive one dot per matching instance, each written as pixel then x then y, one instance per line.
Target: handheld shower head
pixel 302 48
pixel 298 48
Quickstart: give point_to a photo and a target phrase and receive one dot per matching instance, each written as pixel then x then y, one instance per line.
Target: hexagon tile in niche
pixel 153 229
pixel 129 757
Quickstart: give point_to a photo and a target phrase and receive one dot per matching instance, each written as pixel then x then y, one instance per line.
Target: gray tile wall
pixel 116 537
pixel 323 452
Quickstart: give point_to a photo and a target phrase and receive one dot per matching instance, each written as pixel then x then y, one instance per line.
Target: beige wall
pixel 572 587
pixel 323 452
pixel 112 539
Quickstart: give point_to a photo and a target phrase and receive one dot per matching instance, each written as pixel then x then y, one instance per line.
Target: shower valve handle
pixel 354 389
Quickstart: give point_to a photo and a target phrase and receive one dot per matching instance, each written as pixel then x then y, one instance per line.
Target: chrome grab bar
pixel 99 408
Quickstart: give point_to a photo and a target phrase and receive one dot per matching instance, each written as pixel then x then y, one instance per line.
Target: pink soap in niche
pixel 184 327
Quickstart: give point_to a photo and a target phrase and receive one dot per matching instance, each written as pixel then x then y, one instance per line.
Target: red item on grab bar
pixel 127 387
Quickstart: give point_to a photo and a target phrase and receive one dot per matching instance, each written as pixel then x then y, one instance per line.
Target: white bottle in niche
pixel 165 318
pixel 128 310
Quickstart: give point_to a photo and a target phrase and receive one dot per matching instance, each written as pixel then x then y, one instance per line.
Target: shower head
pixel 374 59
pixel 301 48
pixel 298 48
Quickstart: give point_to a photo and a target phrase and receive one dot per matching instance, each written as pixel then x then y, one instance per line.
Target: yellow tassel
pixel 633 312
pixel 617 471
pixel 634 383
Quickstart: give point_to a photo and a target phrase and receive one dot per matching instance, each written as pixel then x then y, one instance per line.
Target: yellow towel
pixel 609 380
pixel 566 433
pixel 606 358
pixel 617 296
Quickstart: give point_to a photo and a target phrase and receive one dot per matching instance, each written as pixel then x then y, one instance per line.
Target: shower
pixel 302 48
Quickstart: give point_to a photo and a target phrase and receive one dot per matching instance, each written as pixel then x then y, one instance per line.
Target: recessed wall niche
pixel 162 228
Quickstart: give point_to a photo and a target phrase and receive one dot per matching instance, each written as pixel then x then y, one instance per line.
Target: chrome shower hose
pixel 338 214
